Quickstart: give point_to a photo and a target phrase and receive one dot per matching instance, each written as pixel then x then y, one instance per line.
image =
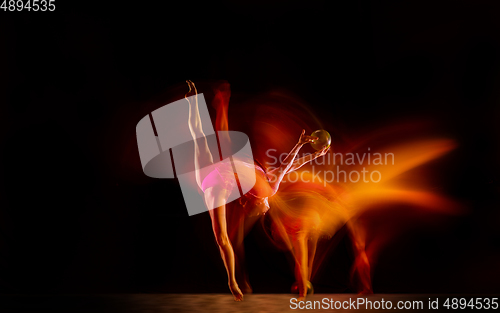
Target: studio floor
pixel 219 303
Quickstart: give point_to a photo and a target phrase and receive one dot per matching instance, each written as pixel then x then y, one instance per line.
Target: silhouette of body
pixel 217 186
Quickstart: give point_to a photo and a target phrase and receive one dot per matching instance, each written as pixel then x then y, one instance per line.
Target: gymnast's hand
pixel 321 152
pixel 305 138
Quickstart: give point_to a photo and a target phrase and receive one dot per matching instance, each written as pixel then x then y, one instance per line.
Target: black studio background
pixel 77 214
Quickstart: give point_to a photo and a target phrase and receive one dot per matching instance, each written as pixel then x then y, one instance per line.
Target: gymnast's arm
pixel 298 163
pixel 287 163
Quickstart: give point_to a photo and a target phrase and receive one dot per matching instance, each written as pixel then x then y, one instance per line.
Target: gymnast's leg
pixel 300 253
pixel 361 264
pixel 202 154
pixel 215 194
pixel 237 230
pixel 219 226
pixel 312 245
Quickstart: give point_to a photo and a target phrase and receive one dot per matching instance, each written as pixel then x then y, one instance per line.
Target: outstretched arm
pixel 298 163
pixel 277 174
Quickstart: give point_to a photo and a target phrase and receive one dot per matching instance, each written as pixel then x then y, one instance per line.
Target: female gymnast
pixel 217 185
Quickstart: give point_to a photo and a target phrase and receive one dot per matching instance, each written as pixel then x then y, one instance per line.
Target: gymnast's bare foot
pixel 235 290
pixel 192 89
